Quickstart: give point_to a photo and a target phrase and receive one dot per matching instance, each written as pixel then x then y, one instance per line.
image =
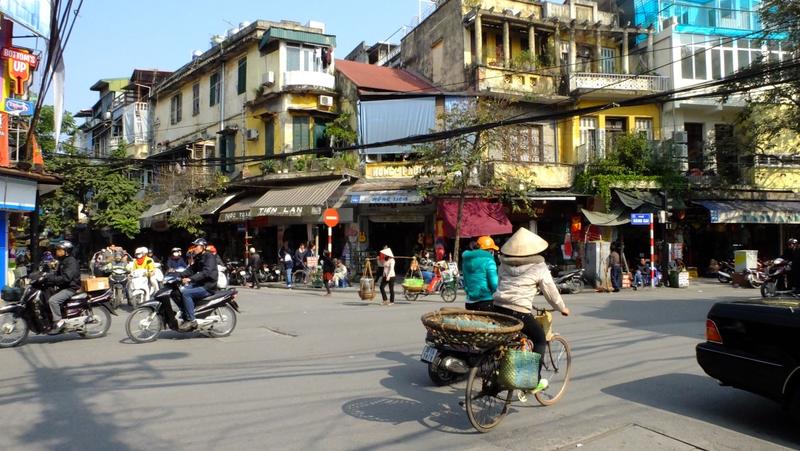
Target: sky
pixel 113 37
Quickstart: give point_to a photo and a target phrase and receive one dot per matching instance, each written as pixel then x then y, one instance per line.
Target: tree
pixel 187 214
pixel 45 128
pixel 104 190
pixel 461 166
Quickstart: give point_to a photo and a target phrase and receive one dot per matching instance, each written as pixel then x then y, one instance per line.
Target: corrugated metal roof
pixel 214 204
pixel 309 195
pixel 284 34
pixel 369 76
pixel 242 204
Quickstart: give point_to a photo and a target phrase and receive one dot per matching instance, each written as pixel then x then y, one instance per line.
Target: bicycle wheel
pixel 556 364
pixel 300 277
pixel 411 296
pixel 448 293
pixel 486 402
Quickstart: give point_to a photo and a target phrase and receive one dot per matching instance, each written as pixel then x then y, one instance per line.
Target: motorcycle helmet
pixel 66 245
pixel 200 242
pixel 792 242
pixel 212 249
pixel 47 256
pixel 140 252
pixel 487 243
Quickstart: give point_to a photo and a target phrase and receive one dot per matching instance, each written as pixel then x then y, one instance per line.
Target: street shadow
pixel 701 398
pixel 417 400
pixel 682 317
pixel 70 416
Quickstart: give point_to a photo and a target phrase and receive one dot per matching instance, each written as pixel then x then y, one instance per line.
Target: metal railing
pixel 623 82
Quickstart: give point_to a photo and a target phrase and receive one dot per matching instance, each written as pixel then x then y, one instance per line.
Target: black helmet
pixel 200 242
pixel 66 245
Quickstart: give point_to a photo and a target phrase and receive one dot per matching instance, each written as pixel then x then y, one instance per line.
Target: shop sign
pixel 234 216
pixel 4 157
pixel 392 170
pixel 18 107
pixel 20 64
pixel 281 211
pixel 641 218
pixel 386 198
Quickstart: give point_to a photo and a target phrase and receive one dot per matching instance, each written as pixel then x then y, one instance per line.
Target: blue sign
pixel 641 218
pixel 18 107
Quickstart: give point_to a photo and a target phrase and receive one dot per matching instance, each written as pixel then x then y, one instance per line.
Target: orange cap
pixel 486 243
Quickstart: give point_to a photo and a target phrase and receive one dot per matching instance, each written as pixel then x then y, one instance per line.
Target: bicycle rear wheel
pixel 486 402
pixel 300 277
pixel 556 364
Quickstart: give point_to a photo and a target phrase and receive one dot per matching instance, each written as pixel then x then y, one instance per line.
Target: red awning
pixel 480 217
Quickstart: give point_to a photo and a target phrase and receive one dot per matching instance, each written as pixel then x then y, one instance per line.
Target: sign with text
pixel 18 107
pixel 20 65
pixel 392 170
pixel 285 211
pixel 642 219
pixel 4 157
pixel 235 216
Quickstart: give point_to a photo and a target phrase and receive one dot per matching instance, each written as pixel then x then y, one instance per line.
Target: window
pixel 526 144
pixel 608 57
pixel 300 133
pixel 195 99
pixel 175 108
pixel 644 127
pixel 437 59
pixel 241 81
pixel 693 57
pixel 213 89
pixel 269 137
pixel 589 139
pixel 320 140
pixel 306 59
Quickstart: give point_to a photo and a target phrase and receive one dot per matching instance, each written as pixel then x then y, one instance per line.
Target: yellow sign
pixel 392 170
pixel 362 237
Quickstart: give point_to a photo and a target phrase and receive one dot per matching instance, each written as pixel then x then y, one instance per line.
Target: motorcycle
pixel 725 272
pixel 269 273
pixel 569 281
pixel 88 314
pixel 237 273
pixel 139 287
pixel 215 315
pixel 445 282
pixel 777 282
pixel 118 281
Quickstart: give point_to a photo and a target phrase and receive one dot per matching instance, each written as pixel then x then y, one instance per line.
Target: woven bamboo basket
pixel 470 328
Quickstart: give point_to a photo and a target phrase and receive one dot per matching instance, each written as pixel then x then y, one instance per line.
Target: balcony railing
pixel 392 53
pixel 312 79
pixel 516 82
pixel 542 175
pixel 618 82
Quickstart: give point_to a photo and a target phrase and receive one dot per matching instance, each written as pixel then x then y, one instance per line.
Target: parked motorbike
pixel 88 314
pixel 269 273
pixel 215 315
pixel 777 282
pixel 756 276
pixel 568 281
pixel 237 273
pixel 725 272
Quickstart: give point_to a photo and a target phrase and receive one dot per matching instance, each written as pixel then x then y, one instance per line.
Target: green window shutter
pixel 213 89
pixel 300 133
pixel 269 137
pixel 241 83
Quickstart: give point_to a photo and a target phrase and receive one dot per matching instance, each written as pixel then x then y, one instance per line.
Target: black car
pixel 755 346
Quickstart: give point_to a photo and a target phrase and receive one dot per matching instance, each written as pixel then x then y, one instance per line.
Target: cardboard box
pixel 95 284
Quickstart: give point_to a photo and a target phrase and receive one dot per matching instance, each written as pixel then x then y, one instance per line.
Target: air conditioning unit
pixel 325 101
pixel 268 78
pixel 251 134
pixel 680 137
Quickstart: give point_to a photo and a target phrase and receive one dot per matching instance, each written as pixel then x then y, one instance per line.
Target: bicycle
pixel 307 275
pixel 487 401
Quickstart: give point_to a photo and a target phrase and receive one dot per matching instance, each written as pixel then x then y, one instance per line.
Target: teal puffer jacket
pixel 480 275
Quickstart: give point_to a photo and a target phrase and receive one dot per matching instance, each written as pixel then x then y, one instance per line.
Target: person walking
pixel 285 256
pixel 253 265
pixel 388 276
pixel 480 274
pixel 616 269
pixel 328 268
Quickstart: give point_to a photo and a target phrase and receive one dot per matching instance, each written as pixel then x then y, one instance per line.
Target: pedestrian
pixel 615 268
pixel 340 275
pixel 285 256
pixel 328 268
pixel 480 274
pixel 300 256
pixel 388 276
pixel 253 264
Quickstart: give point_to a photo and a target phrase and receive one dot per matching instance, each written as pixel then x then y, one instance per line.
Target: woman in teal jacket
pixel 480 274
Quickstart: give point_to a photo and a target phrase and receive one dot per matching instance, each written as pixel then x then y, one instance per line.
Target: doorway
pixel 694 139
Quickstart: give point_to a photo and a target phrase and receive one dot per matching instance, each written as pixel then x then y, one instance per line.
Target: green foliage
pixel 630 163
pixel 186 214
pixel 104 189
pixel 524 61
pixel 341 130
pixel 45 128
pixel 267 167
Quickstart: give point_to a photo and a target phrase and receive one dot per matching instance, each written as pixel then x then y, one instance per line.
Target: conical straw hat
pixel 523 243
pixel 387 252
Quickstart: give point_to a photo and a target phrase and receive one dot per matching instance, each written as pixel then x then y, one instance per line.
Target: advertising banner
pixel 32 14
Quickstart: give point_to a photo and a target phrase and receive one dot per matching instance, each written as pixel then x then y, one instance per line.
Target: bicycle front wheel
pixel 486 402
pixel 300 277
pixel 556 365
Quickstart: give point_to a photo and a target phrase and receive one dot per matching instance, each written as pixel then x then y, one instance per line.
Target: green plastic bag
pixel 413 283
pixel 519 369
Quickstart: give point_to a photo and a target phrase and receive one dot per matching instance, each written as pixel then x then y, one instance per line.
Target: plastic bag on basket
pixel 519 369
pixel 366 289
pixel 413 282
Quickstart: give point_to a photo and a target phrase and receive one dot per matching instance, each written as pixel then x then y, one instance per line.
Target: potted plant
pixel 268 167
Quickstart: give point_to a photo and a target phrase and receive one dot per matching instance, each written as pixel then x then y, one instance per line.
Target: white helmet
pixel 140 252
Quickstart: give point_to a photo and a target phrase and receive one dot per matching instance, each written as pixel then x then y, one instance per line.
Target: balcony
pixel 538 175
pixel 516 82
pixel 617 83
pixel 303 79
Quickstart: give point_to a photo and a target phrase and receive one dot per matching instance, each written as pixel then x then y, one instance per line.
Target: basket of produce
pixel 414 284
pixel 470 328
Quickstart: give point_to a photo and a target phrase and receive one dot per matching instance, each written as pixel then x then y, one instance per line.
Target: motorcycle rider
pixel 141 260
pixel 522 272
pixel 66 278
pixel 480 274
pixel 792 255
pixel 202 275
pixel 175 260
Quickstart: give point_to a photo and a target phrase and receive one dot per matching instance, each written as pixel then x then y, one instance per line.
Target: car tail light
pixel 712 333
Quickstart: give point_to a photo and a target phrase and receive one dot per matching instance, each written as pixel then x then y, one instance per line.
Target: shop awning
pixel 479 217
pixel 615 218
pixel 239 211
pixel 156 212
pixel 304 200
pixel 305 37
pixel 752 212
pixel 215 204
pixel 385 197
pixel 647 201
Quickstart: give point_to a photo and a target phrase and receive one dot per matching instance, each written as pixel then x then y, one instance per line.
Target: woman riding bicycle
pixel 522 271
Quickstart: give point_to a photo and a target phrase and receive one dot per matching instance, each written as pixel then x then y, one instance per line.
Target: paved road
pixel 303 371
